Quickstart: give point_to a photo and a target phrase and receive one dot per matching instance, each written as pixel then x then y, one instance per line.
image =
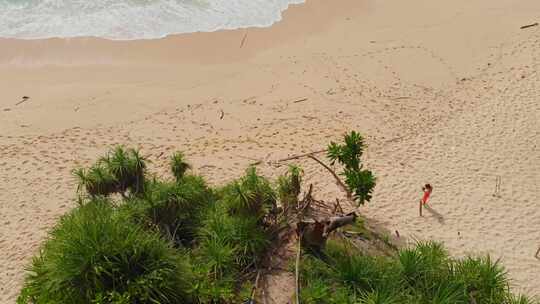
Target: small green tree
pixel 179 166
pixel 360 181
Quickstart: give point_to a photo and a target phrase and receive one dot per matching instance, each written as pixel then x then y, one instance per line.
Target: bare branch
pixel 338 180
pixel 301 155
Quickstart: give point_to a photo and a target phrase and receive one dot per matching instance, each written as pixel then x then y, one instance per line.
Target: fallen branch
pixel 221 114
pixel 529 25
pixel 301 155
pixel 338 180
pixel 339 221
pixel 315 233
pixel 24 98
pixel 299 100
pixel 243 40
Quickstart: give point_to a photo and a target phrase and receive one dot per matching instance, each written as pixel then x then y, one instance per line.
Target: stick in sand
pixel 537 252
pixel 529 25
pixel 298 268
pixel 24 98
pixel 300 100
pixel 243 40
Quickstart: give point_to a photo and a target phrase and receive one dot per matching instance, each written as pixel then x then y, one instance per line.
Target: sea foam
pixel 133 19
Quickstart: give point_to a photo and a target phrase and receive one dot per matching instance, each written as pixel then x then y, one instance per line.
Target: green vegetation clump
pixel 94 256
pixel 179 165
pixel 234 236
pixel 163 241
pixel 176 209
pixel 137 240
pixel 117 172
pixel 423 274
pixel 360 181
pixel 289 187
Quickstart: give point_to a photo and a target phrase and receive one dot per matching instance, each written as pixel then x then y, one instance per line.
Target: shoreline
pixel 445 92
pixel 228 39
pixel 164 36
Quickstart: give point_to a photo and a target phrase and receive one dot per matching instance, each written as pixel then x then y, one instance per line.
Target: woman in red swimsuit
pixel 427 192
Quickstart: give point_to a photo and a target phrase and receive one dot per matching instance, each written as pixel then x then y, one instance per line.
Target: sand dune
pixel 445 92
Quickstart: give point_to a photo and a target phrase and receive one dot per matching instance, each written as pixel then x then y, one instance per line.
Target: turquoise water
pixel 132 19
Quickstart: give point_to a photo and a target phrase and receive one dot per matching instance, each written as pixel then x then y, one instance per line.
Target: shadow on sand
pixel 436 214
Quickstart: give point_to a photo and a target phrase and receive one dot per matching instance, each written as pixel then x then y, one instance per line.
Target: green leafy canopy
pixel 360 182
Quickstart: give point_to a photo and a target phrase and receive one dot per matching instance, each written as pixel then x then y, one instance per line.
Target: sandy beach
pixel 446 92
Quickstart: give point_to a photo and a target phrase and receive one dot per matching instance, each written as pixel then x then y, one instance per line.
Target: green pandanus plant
pixel 128 167
pixel 179 166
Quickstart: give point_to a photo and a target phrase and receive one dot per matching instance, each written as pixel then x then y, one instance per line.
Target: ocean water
pixel 132 19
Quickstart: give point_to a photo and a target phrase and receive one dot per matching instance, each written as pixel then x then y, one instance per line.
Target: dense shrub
pixel 176 209
pixel 251 195
pixel 233 237
pixel 128 167
pixel 93 256
pixel 422 274
pixel 97 180
pixel 118 171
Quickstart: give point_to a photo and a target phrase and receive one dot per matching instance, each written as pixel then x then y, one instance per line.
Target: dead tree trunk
pixel 315 233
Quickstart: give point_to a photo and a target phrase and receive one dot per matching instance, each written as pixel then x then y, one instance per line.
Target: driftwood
pixel 315 233
pixel 243 40
pixel 529 25
pixel 221 114
pixel 299 100
pixel 339 221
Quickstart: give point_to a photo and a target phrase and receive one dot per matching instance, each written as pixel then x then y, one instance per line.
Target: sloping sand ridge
pixel 446 93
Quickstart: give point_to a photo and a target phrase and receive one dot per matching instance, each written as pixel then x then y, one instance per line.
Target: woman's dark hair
pixel 428 186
